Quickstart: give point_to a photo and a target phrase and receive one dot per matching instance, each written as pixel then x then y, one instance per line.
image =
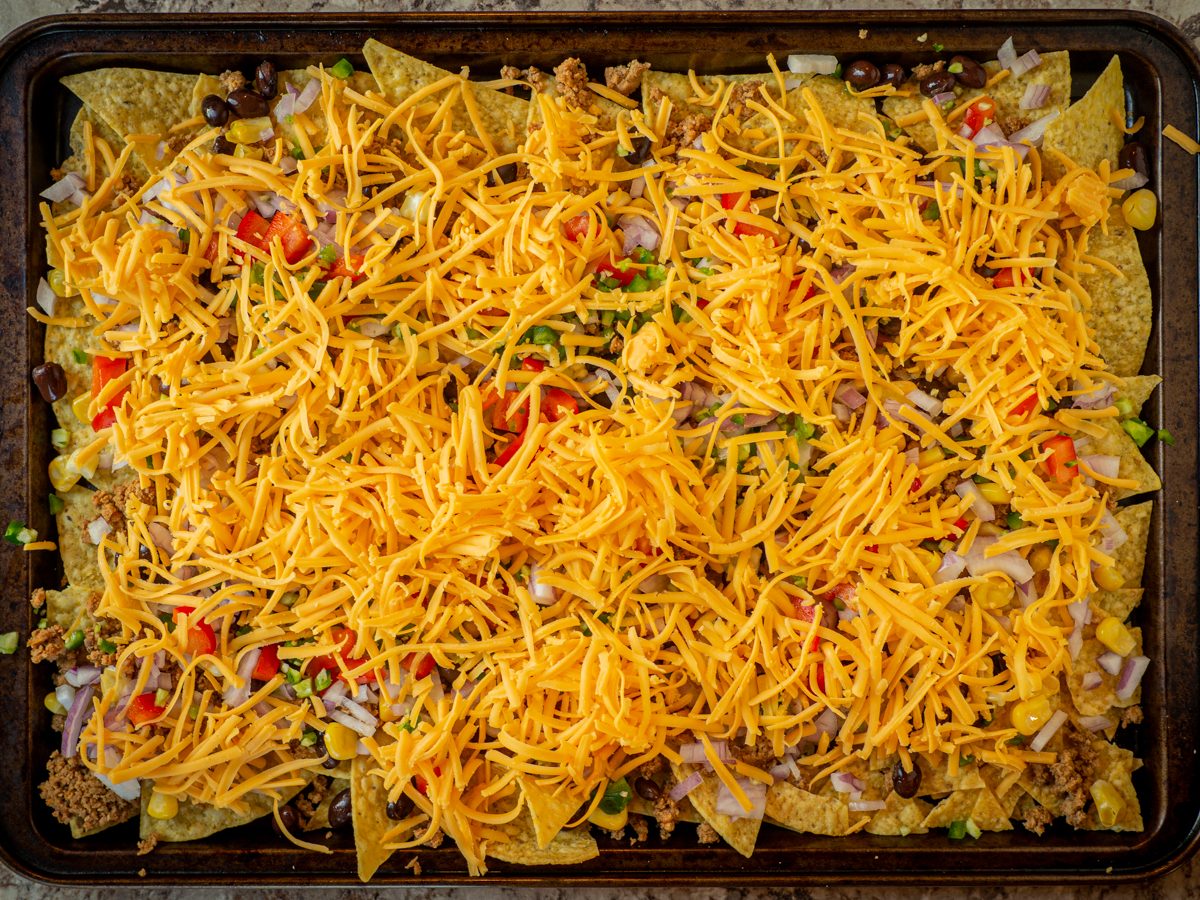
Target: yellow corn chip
pixel 550 812
pixel 988 813
pixel 1086 132
pixel 955 808
pixel 1115 442
pixel 1116 766
pixel 320 815
pixel 1119 603
pixel 790 807
pixel 197 820
pixel 569 847
pixel 740 834
pixel 1098 701
pixel 1131 556
pixel 1137 390
pixel 902 816
pixel 368 800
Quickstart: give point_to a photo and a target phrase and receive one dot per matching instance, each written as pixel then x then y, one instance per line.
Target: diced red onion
pixel 812 64
pixel 850 396
pixel 1030 60
pixel 941 98
pixel 872 336
pixel 1035 132
pixel 288 165
pixel 1025 592
pixel 82 675
pixel 160 151
pixel 307 96
pixel 63 188
pixel 286 105
pixel 1078 611
pixel 694 752
pixel 979 504
pixel 951 568
pixel 1035 96
pixel 757 420
pixel 685 787
pixel 1075 643
pixel 929 404
pixel 335 693
pixel 1131 676
pixel 827 723
pixel 1132 183
pixel 728 805
pixel 1096 723
pixel 542 593
pixel 637 187
pixel 946 186
pixel 956 430
pixel 1009 563
pixel 1007 54
pixel 653 583
pixel 912 456
pixel 841 412
pixel 1100 397
pixel 1048 731
pixel 845 782
pixel 989 134
pixel 780 772
pixel 236 696
pixel 1091 681
pixel 97 529
pixel 841 273
pixel 1105 466
pixel 640 231
pixel 46 298
pixel 76 716
pixel 866 805
pixel 1110 662
pixel 1114 534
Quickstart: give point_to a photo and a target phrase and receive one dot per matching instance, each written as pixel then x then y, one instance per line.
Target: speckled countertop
pixel 1182 883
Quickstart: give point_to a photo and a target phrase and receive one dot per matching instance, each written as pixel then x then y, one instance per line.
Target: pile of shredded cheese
pixel 358 472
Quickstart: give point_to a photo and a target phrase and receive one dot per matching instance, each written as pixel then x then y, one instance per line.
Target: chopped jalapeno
pixel 56 504
pixel 8 642
pixel 343 69
pixel 75 639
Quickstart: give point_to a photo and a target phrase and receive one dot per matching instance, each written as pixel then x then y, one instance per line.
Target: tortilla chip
pixel 360 82
pixel 1116 766
pixel 740 834
pixel 1137 390
pixel 205 85
pixel 569 847
pixel 400 75
pixel 1055 71
pixel 790 807
pixel 368 804
pixel 1131 556
pixel 550 812
pixel 68 607
pixel 137 101
pixel 1116 442
pixel 1099 700
pixel 685 812
pixel 320 817
pixel 78 832
pixel 936 780
pixel 839 108
pixel 1122 308
pixel 198 820
pixel 101 129
pixel 1119 603
pixel 902 816
pixel 60 342
pixel 679 88
pixel 603 109
pixel 79 559
pixel 1086 132
pixel 988 813
pixel 955 808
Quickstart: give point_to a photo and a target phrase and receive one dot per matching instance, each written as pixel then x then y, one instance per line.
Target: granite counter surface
pixel 1177 885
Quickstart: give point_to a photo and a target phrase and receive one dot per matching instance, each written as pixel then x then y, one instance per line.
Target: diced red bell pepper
pixel 577 228
pixel 419 665
pixel 511 450
pixel 557 404
pixel 346 267
pixel 961 524
pixel 295 242
pixel 268 663
pixel 422 784
pixel 105 370
pixel 533 364
pixel 915 486
pixel 201 638
pixel 608 269
pixel 812 288
pixel 1062 453
pixel 142 709
pixel 808 614
pixel 343 639
pixel 979 114
pixel 1007 278
pixel 1026 405
pixel 252 229
pixel 821 676
pixel 731 199
pixel 494 311
pixel 744 229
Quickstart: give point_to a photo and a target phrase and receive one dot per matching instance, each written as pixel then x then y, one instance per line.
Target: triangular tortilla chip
pixel 320 815
pixel 368 801
pixel 902 816
pixel 840 109
pixel 569 847
pixel 550 812
pixel 679 88
pixel 60 344
pixel 1086 132
pixel 197 820
pixel 955 808
pixel 1115 442
pixel 1131 556
pixel 790 807
pixel 684 811
pixel 1137 390
pixel 79 558
pixel 400 75
pixel 740 834
pixel 1055 72
pixel 988 814
pixel 137 101
pixel 1099 700
pixel 359 82
pixel 205 85
pixel 1122 308
pixel 1119 603
pixel 936 780
pixel 1116 766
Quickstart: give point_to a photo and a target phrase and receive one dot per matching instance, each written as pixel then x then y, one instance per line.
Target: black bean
pixel 647 789
pixel 893 74
pixel 216 110
pixel 641 149
pixel 937 83
pixel 51 381
pixel 1133 156
pixel 290 819
pixel 973 75
pixel 223 145
pixel 906 784
pixel 862 74
pixel 248 104
pixel 505 174
pixel 265 81
pixel 987 271
pixel 340 811
pixel 400 809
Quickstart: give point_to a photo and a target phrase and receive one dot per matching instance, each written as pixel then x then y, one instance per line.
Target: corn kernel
pixel 642 203
pixel 80 405
pixel 340 741
pixel 245 151
pixel 927 558
pixel 990 529
pixel 1115 636
pixel 681 240
pixel 694 210
pixel 992 594
pixel 930 456
pixel 1040 558
pixel 60 478
pixel 1140 209
pixel 1030 715
pixel 1107 578
pixel 617 198
pixel 994 493
pixel 52 704
pixel 87 469
pixel 1109 803
pixel 614 822
pixel 57 279
pixel 162 806
pixel 248 131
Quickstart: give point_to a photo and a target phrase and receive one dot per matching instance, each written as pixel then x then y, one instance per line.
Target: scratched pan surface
pixel 1162 74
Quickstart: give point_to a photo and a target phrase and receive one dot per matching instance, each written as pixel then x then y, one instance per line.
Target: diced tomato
pixel 200 636
pixel 608 269
pixel 252 230
pixel 961 524
pixel 808 614
pixel 489 396
pixel 821 676
pixel 577 228
pixel 514 421
pixel 268 663
pixel 533 364
pixel 141 709
pixel 731 200
pixel 419 665
pixel 812 288
pixel 511 450
pixel 873 548
pixel 701 303
pixel 842 591
pixel 557 404
pixel 744 229
pixel 1062 452
pixel 343 639
pixel 494 311
pixel 210 252
pixel 105 370
pixel 422 784
pixel 1007 278
pixel 1026 405
pixel 346 267
pixel 915 486
pixel 291 237
pixel 979 114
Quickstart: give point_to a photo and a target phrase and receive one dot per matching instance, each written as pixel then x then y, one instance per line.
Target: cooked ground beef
pixel 1014 123
pixel 666 810
pixel 641 831
pixel 1071 775
pixel 921 71
pixel 91 643
pixel 46 643
pixel 625 79
pixel 73 793
pixel 616 344
pixel 761 754
pixel 706 834
pixel 308 801
pixel 38 598
pixel 259 446
pixel 302 752
pixel 232 81
pixel 434 840
pixel 109 511
pixel 178 141
pixel 747 90
pixel 1131 716
pixel 571 79
pixel 1037 818
pixel 683 132
pixel 58 722
pixel 131 490
pixel 415 865
pixel 534 76
pixel 147 845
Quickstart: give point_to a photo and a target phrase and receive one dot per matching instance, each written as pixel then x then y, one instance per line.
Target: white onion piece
pixel 637 187
pixel 46 298
pixel 130 790
pixel 542 593
pixel 1078 611
pixel 1030 60
pixel 81 675
pixel 790 84
pixel 266 134
pixel 729 805
pixel 1035 96
pixel 350 722
pixel 1025 592
pixel 1110 662
pixel 1091 681
pixel 236 696
pixel 951 568
pixel 845 783
pixel 780 772
pixel 65 695
pixel 866 805
pixel 1132 183
pixel 686 786
pixel 1048 731
pixel 1104 466
pixel 929 404
pixel 288 165
pixel 1096 723
pixel 357 710
pixel 653 583
pixel 811 64
pixel 1098 397
pixel 97 529
pixel 841 273
pixel 979 505
pixel 1075 643
pixel 941 98
pixel 286 106
pixel 1114 534
pixel 1131 676
pixel 1035 132
pixel 63 188
pixel 307 96
pixel 1009 563
pixel 1006 55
